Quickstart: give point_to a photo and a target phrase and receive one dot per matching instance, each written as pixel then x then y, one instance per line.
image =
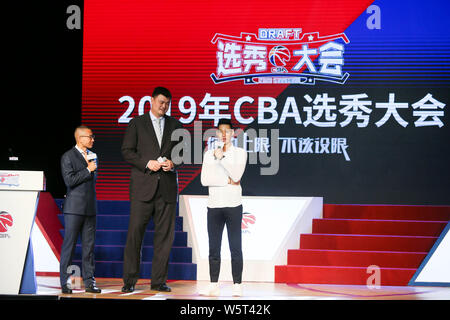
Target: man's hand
pixel 92 166
pixel 230 181
pixel 154 165
pixel 218 153
pixel 167 165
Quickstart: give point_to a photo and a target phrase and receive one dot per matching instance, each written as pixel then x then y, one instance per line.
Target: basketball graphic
pixel 248 219
pixel 6 221
pixel 279 56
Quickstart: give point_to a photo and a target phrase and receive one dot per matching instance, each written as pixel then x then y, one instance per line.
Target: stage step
pixel 107 207
pixel 119 237
pixel 115 253
pixel 114 269
pixel 379 227
pixel 350 238
pixel 366 242
pixel 111 234
pixel 110 207
pixel 341 275
pixel 385 212
pixel 116 221
pixel 355 258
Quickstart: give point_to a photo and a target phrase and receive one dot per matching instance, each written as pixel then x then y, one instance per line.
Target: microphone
pixel 161 159
pixel 92 157
pixel 220 144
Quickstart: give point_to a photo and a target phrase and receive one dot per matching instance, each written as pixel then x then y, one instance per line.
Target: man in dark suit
pixel 147 146
pixel 78 167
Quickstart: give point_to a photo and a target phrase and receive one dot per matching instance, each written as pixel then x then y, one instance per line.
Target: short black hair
pixel 225 121
pixel 161 90
pixel 81 127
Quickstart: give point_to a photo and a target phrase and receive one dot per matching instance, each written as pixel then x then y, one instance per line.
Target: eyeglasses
pixel 90 137
pixel 226 132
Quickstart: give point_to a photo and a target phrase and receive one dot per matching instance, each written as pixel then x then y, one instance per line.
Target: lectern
pixel 19 195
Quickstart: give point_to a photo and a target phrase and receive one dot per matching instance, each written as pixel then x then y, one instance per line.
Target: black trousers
pixel 73 226
pixel 217 219
pixel 163 214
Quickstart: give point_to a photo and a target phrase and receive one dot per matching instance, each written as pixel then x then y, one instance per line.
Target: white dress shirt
pixel 154 120
pixel 215 174
pixel 82 154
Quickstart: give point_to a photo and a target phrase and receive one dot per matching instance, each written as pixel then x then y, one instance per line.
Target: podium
pixel 19 195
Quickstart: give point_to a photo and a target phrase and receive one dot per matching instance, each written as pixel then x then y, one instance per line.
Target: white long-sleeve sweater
pixel 215 174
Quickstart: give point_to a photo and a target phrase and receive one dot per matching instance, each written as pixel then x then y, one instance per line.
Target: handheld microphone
pixel 220 144
pixel 91 156
pixel 161 159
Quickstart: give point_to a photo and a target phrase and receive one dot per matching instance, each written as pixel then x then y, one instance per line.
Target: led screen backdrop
pixel 342 99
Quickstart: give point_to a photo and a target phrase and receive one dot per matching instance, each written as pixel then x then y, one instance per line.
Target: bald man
pixel 79 171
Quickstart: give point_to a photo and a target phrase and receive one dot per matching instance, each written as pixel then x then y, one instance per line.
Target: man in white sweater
pixel 222 170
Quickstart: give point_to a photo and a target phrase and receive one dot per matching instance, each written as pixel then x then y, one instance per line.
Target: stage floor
pixel 190 290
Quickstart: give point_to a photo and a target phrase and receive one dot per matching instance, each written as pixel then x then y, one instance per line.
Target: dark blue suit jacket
pixel 80 197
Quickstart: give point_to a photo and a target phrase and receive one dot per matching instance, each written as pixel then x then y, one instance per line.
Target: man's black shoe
pixel 66 289
pixel 128 288
pixel 161 287
pixel 93 289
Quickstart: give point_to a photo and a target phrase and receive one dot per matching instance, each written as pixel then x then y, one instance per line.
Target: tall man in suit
pixel 78 168
pixel 147 146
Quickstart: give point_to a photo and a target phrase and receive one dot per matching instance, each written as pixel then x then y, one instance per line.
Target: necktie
pixel 158 131
pixel 85 156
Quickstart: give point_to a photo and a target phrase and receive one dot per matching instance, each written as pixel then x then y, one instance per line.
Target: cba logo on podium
pixel 247 220
pixel 6 221
pixel 9 179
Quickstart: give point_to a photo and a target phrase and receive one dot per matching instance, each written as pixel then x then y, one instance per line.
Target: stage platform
pixel 190 290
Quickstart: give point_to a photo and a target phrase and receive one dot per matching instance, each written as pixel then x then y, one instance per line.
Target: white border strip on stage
pixel 436 264
pixel 275 227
